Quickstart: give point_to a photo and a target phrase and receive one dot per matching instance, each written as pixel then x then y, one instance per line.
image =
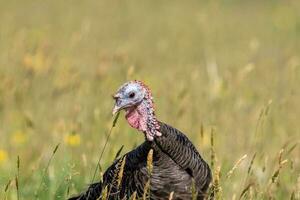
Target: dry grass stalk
pixel 46 170
pixel 280 156
pixel 17 178
pixel 262 118
pixel 214 187
pixel 121 171
pixel 150 162
pixel 292 148
pixel 264 167
pixel 217 190
pixel 251 164
pixel 146 190
pixel 118 175
pixel 6 189
pixel 146 193
pixel 105 144
pixel 118 152
pixel 17 186
pixel 68 190
pixel 213 153
pixel 258 122
pixel 171 195
pixel 7 185
pixel 276 173
pixel 236 166
pixel 246 190
pixel 202 131
pixel 274 177
pixel 104 193
pixel 133 196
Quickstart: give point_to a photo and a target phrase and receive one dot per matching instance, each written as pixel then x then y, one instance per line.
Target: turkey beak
pixel 117 106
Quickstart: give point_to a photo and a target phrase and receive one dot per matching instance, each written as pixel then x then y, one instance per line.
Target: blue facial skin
pixel 128 95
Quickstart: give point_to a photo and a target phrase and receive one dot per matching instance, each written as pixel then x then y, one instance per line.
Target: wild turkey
pixel 178 168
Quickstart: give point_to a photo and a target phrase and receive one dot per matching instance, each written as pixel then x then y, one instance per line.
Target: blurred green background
pixel 231 66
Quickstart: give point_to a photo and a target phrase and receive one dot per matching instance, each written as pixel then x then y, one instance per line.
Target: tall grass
pixel 228 66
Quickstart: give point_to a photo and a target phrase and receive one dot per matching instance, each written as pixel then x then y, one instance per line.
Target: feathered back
pixel 176 163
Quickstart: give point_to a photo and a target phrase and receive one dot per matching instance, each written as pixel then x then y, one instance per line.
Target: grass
pixel 228 66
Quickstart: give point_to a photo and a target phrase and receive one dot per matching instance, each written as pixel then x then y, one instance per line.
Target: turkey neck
pixel 142 118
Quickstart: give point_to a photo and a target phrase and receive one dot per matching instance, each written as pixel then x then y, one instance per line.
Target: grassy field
pixel 230 69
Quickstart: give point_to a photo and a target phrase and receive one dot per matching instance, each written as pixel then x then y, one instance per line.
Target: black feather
pixel 176 162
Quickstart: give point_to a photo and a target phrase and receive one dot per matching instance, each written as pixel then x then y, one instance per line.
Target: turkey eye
pixel 131 95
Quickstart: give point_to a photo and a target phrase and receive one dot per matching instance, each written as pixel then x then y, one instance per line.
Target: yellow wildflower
pixel 37 63
pixel 19 137
pixel 72 140
pixel 3 156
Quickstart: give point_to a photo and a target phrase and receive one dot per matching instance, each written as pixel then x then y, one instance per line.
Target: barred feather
pixel 176 163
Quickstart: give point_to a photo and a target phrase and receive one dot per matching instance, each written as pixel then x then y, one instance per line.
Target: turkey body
pixel 177 167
